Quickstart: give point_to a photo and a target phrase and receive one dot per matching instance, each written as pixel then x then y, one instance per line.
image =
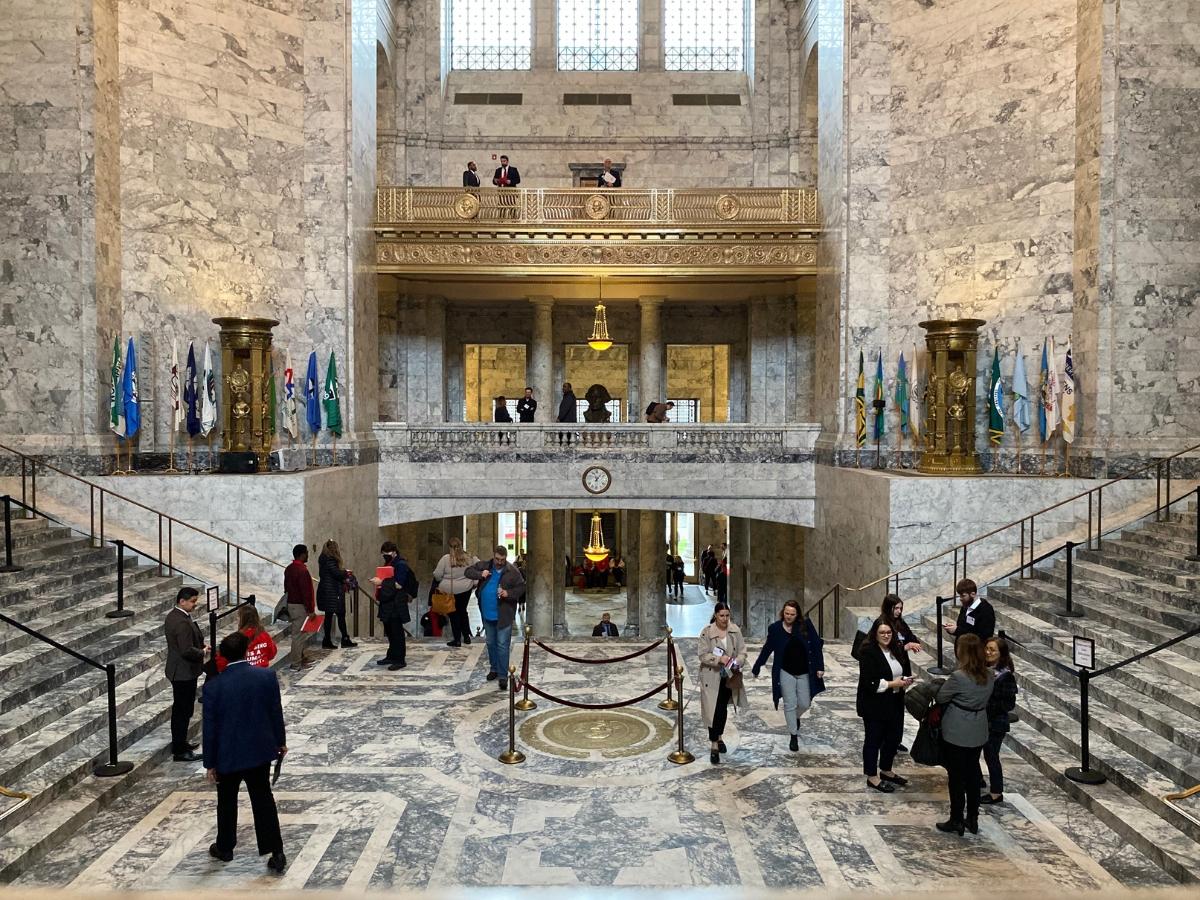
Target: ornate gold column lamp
pixel 246 387
pixel 950 397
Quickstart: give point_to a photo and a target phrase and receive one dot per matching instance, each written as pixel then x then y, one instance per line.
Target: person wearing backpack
pixel 394 595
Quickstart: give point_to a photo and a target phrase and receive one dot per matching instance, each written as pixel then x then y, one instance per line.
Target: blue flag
pixel 129 394
pixel 189 392
pixel 312 395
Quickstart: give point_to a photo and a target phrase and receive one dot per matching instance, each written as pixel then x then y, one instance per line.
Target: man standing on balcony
pixel 470 176
pixel 499 586
pixel 506 175
pixel 185 662
pixel 610 177
pixel 568 407
pixel 526 406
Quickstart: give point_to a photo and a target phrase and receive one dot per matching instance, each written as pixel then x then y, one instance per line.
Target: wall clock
pixel 596 479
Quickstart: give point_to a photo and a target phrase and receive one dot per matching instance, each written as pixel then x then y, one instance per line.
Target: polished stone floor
pixel 392 781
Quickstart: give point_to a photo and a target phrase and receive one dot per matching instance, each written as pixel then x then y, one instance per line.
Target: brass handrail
pixel 1157 464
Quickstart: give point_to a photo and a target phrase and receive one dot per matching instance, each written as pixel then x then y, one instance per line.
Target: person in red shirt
pixel 262 647
pixel 302 603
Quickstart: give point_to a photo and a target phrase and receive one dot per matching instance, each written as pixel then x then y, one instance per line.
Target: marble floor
pixel 392 782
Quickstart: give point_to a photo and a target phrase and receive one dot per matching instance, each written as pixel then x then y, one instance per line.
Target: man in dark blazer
pixel 975 617
pixel 603 182
pixel 243 735
pixel 506 175
pixel 605 627
pixel 185 662
pixel 470 176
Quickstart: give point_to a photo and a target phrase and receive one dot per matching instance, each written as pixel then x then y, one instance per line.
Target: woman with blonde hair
pixel 449 578
pixel 331 593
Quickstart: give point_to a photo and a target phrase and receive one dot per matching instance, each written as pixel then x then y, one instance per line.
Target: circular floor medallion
pixel 595 734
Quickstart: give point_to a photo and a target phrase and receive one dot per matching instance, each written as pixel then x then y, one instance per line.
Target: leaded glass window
pixel 490 34
pixel 705 35
pixel 598 35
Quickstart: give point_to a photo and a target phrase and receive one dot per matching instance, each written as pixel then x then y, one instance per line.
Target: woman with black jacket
pixel 1002 702
pixel 331 594
pixel 798 669
pixel 884 673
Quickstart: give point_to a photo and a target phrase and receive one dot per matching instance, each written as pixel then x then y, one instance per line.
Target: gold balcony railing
pixel 788 208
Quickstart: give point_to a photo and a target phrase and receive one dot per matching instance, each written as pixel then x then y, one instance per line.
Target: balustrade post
pixel 1195 557
pixel 1084 773
pixel 669 703
pixel 1069 611
pixel 120 612
pixel 679 755
pixel 114 766
pixel 8 538
pixel 940 668
pixel 512 756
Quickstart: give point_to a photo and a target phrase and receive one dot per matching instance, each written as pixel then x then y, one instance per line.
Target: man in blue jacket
pixel 243 735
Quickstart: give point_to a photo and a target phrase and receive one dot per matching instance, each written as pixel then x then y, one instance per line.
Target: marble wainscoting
pixel 392 782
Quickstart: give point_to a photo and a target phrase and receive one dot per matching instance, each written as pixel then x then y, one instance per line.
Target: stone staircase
pixel 54 708
pixel 1136 592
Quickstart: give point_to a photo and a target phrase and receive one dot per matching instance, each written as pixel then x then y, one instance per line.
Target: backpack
pixel 650 408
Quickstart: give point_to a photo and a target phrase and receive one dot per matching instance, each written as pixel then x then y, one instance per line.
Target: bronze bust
pixel 597 395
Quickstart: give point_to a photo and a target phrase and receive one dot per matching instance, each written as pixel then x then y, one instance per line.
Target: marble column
pixel 540 370
pixel 776 560
pixel 481 534
pixel 739 557
pixel 650 372
pixel 652 573
pixel 632 549
pixel 540 572
pixel 423 323
pixel 562 547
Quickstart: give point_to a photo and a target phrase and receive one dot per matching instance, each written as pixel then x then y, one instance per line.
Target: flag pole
pixel 191 459
pixel 117 470
pixel 129 447
pixel 335 462
pixel 171 453
pixel 314 450
pixel 1018 449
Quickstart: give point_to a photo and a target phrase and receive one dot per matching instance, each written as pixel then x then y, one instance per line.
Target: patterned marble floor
pixel 392 781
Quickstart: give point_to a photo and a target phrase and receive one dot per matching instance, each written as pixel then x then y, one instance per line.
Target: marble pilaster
pixel 652 573
pixel 776 561
pixel 540 572
pixel 631 532
pixel 541 359
pixel 562 549
pixel 652 356
pixel 739 561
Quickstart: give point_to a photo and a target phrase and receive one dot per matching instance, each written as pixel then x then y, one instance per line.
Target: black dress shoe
pixel 277 862
pixel 216 853
pixel 383 662
pixel 883 787
pixel 721 748
pixel 466 639
pixel 894 779
pixel 794 743
pixel 346 643
pixel 453 643
pixel 989 800
pixel 972 826
pixel 492 676
pixel 714 757
pixel 190 756
pixel 950 827
pixel 328 645
pixel 503 684
pixel 397 666
pixel 902 748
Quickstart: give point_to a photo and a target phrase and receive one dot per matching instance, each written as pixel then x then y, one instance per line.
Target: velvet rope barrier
pixel 554 699
pixel 594 662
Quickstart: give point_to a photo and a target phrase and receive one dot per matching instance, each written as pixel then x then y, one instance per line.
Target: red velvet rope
pixel 594 662
pixel 551 697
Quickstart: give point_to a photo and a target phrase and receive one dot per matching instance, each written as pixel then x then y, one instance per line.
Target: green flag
pixel 880 422
pixel 332 400
pixel 272 398
pixel 860 406
pixel 902 395
pixel 996 402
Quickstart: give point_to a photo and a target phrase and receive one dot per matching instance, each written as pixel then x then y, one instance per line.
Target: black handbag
pixel 926 748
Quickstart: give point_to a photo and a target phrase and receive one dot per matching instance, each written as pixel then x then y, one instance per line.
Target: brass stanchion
pixel 512 755
pixel 669 703
pixel 680 756
pixel 525 704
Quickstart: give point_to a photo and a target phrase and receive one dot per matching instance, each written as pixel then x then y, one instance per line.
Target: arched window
pixel 598 35
pixel 490 34
pixel 706 35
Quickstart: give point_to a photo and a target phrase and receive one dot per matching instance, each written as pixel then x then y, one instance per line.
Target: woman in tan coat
pixel 721 649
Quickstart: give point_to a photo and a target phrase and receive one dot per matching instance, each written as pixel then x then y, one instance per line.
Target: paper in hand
pixel 609 178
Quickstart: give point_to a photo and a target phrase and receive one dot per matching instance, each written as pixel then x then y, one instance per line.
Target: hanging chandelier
pixel 600 339
pixel 595 550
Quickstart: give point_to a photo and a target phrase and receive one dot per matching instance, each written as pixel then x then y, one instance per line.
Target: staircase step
pixel 1130 586
pixel 1176 564
pixel 1170 542
pixel 1114 557
pixel 29 533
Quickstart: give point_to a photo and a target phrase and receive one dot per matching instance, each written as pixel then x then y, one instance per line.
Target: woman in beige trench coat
pixel 721 647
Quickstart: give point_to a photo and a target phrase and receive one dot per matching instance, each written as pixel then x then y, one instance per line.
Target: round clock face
pixel 596 479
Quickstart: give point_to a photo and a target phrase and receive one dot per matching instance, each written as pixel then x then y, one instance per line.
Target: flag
pixel 996 401
pixel 914 395
pixel 189 392
pixel 291 424
pixel 208 402
pixel 176 406
pixel 880 424
pixel 116 403
pixel 1067 402
pixel 860 406
pixel 312 403
pixel 332 400
pixel 129 394
pixel 273 400
pixel 1048 408
pixel 902 395
pixel 1020 392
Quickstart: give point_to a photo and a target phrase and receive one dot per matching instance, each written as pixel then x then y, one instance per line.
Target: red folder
pixel 313 623
pixel 385 573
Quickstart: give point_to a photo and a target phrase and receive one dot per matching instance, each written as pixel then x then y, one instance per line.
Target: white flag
pixel 208 400
pixel 176 406
pixel 291 424
pixel 914 396
pixel 1067 402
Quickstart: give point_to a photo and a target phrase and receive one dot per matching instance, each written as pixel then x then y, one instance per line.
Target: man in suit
pixel 243 735
pixel 470 176
pixel 526 406
pixel 605 627
pixel 506 175
pixel 185 662
pixel 609 178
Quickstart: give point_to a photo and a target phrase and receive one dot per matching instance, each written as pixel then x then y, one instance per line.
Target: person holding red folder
pixel 395 587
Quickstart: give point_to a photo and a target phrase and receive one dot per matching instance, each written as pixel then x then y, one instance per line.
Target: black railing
pixel 214 617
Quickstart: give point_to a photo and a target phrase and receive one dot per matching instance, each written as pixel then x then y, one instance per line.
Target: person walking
pixel 722 659
pixel 976 616
pixel 721 580
pixel 678 574
pixel 964 731
pixel 1002 702
pixel 568 406
pixel 301 603
pixel 331 593
pixel 243 734
pixel 394 594
pixel 797 668
pixel 185 661
pixel 450 576
pixel 500 587
pixel 707 560
pixel 261 648
pixel 884 673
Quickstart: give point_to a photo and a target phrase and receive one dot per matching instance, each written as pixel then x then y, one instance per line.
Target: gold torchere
pixel 246 386
pixel 950 397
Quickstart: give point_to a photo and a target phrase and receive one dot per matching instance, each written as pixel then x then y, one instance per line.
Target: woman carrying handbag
pixel 722 658
pixel 454 589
